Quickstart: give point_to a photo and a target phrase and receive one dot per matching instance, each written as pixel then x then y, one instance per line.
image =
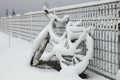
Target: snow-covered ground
pixel 14 63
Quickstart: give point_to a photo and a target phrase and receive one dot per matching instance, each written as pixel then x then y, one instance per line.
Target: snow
pixel 38 40
pixel 3 17
pixel 9 16
pixel 45 8
pixel 18 15
pixel 118 75
pixel 59 49
pixel 14 63
pixel 15 59
pixel 35 12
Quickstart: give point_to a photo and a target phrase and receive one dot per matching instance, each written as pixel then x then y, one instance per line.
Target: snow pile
pixel 14 63
pixel 70 73
pixel 118 75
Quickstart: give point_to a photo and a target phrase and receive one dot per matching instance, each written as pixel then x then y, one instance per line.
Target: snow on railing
pixel 103 15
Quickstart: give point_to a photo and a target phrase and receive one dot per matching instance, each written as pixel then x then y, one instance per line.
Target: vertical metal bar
pixel 31 26
pixel 119 45
pixel 9 31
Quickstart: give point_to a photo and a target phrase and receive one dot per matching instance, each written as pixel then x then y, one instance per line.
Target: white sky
pixel 22 6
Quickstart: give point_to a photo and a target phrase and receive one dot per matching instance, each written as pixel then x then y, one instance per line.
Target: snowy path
pixel 14 63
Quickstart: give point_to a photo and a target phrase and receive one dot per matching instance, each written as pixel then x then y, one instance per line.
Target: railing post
pixel 31 26
pixel 9 21
pixel 118 73
pixel 54 11
pixel 119 45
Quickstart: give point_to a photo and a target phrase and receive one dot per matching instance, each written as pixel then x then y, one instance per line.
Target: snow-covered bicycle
pixel 68 49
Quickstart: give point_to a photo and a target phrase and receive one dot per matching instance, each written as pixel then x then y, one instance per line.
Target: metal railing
pixel 102 16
